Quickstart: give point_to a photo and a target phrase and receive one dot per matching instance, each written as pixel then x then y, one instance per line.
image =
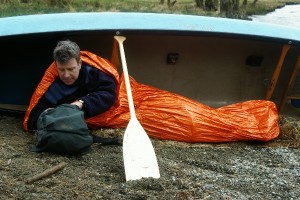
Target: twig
pixel 46 173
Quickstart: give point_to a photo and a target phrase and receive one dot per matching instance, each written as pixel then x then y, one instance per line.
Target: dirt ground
pixel 238 170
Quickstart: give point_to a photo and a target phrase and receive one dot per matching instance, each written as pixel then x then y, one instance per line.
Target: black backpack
pixel 63 130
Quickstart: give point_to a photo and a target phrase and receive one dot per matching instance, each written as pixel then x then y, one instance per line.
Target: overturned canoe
pixel 215 61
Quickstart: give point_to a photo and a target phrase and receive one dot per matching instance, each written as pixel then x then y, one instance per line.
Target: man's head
pixel 67 57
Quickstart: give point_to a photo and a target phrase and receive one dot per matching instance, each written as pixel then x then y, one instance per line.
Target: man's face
pixel 68 72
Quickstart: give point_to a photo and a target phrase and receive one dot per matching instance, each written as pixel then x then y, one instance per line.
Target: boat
pixel 215 61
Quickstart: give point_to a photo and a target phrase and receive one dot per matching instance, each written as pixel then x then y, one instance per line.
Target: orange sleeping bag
pixel 168 116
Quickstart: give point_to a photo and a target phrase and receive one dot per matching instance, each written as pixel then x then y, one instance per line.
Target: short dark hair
pixel 66 50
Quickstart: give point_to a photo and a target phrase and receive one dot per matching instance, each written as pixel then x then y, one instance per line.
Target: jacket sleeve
pixel 101 93
pixel 42 105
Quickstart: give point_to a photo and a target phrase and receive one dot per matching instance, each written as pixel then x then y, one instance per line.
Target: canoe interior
pixel 213 70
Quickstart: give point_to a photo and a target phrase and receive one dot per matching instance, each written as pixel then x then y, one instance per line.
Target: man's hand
pixel 78 103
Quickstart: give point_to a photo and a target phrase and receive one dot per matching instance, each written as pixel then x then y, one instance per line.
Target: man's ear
pixel 80 62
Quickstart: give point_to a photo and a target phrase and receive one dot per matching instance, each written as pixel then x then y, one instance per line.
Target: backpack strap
pixel 106 141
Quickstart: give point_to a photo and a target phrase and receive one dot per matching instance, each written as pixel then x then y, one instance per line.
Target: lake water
pixel 288 16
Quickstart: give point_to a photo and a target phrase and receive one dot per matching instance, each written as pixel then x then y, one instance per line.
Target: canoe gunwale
pixel 112 33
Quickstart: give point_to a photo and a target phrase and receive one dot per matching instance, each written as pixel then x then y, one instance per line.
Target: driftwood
pixel 46 173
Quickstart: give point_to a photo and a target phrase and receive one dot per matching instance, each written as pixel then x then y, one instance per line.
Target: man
pixel 77 83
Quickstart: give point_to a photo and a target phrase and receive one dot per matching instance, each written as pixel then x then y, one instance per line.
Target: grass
pixel 25 7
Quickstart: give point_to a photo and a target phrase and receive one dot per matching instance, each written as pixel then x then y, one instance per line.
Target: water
pixel 288 16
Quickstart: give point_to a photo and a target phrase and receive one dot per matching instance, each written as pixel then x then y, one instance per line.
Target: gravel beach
pixel 237 170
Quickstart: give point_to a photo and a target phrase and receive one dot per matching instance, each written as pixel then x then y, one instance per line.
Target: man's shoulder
pixel 89 67
pixel 92 72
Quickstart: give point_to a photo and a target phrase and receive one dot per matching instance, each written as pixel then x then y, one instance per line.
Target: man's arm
pixel 100 96
pixel 41 106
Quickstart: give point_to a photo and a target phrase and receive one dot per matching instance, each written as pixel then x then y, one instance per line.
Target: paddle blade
pixel 138 153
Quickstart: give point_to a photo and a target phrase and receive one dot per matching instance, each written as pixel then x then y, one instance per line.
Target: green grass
pixel 25 7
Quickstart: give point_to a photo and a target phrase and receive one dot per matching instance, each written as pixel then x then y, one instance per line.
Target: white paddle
pixel 138 153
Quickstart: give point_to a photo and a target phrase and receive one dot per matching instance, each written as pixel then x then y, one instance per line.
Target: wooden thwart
pixel 272 84
pixel 288 94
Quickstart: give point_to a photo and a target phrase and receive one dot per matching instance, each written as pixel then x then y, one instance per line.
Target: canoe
pixel 215 61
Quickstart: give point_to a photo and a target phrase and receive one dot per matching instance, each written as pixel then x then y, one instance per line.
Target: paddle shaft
pixel 120 40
